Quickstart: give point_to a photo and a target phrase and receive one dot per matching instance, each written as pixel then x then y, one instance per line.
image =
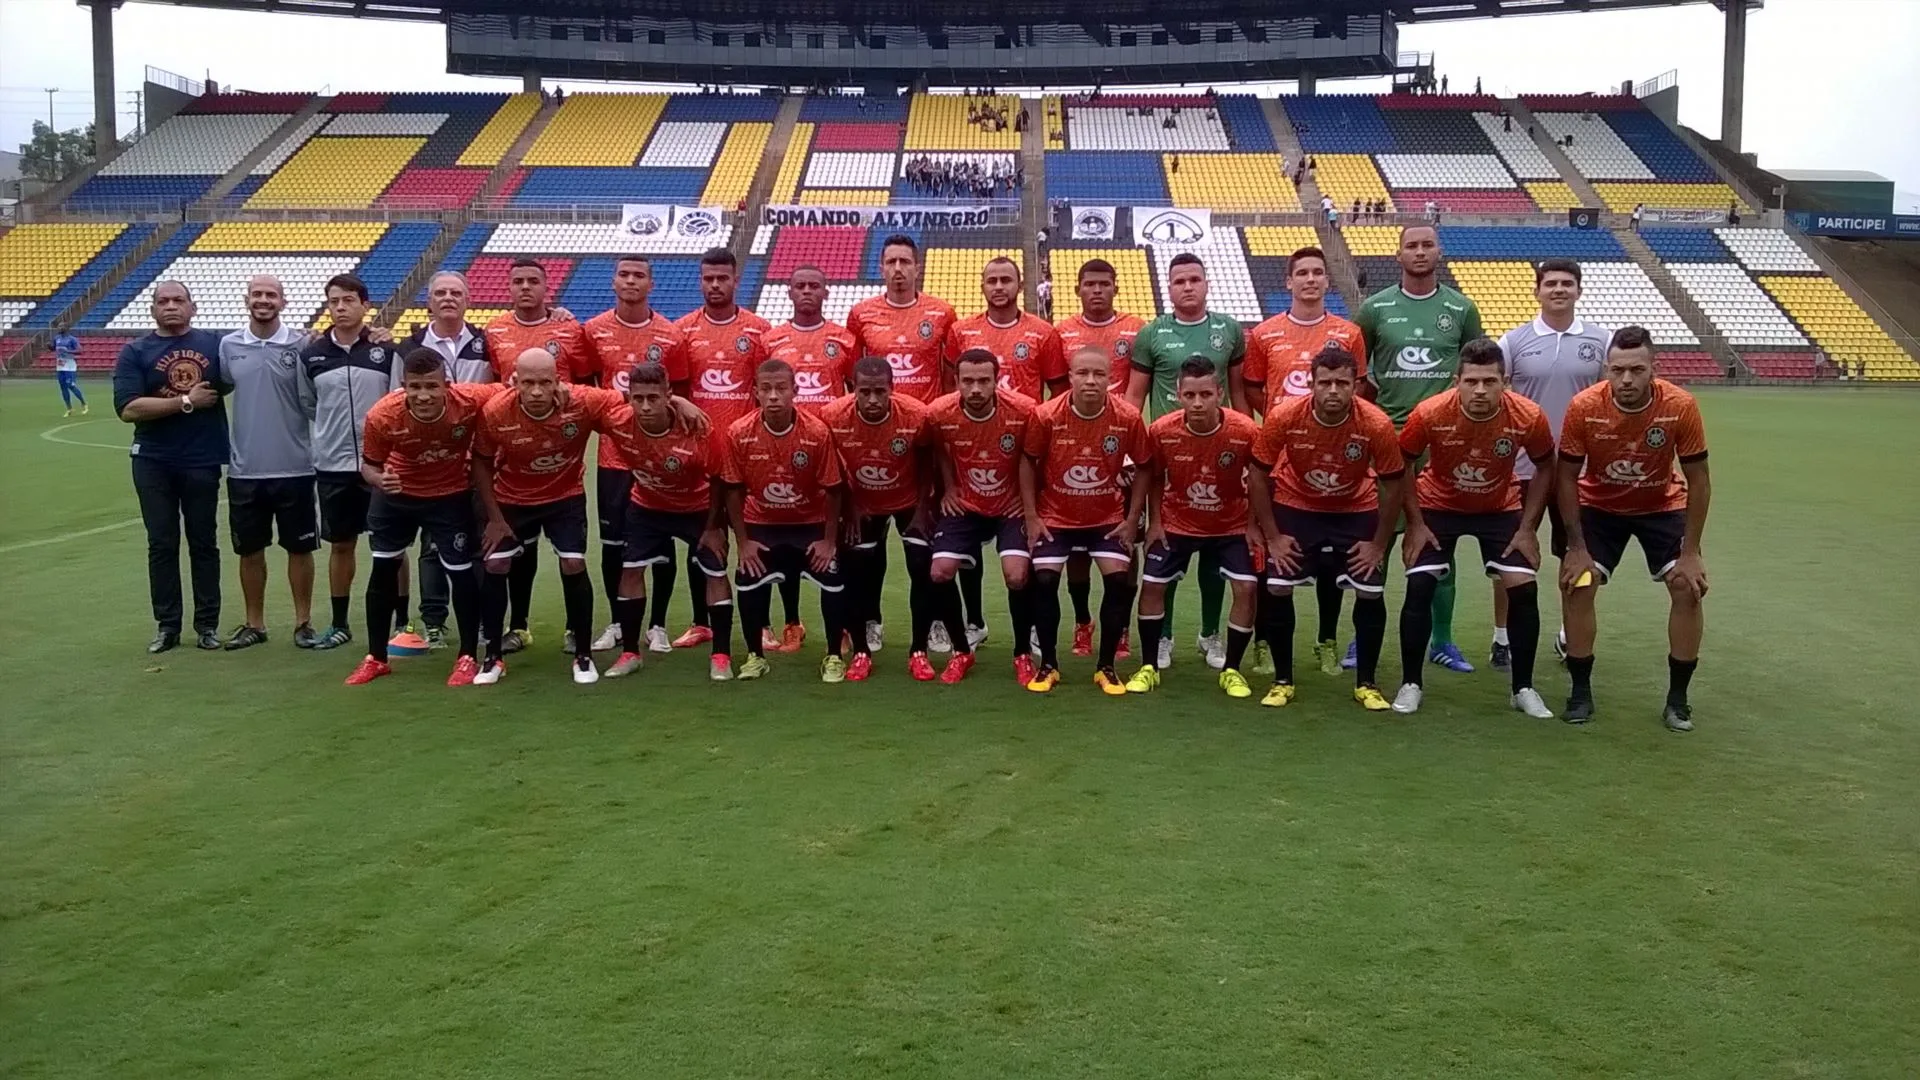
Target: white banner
pixel 1095 222
pixel 1167 225
pixel 679 222
pixel 639 219
pixel 1680 215
pixel 881 217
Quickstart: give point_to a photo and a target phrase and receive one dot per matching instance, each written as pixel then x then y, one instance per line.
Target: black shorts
pixel 785 557
pixel 873 530
pixel 1660 536
pixel 447 521
pixel 613 495
pixel 1229 553
pixel 1556 525
pixel 651 533
pixel 1325 541
pixel 963 538
pixel 564 521
pixel 256 509
pixel 1094 541
pixel 1494 531
pixel 344 497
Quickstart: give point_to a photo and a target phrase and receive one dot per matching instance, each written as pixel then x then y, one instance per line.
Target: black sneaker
pixel 164 641
pixel 208 640
pixel 1677 717
pixel 246 637
pixel 333 638
pixel 1502 658
pixel 1579 710
pixel 304 637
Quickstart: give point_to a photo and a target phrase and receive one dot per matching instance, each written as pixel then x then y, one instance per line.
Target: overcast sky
pixel 1830 83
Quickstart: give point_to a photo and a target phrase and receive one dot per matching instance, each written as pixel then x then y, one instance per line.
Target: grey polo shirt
pixel 1548 367
pixel 270 434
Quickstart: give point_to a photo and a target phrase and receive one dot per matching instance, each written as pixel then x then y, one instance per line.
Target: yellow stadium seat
pixel 1054 114
pixel 1837 324
pixel 1503 291
pixel 1280 240
pixel 939 122
pixel 1346 177
pixel 842 197
pixel 1372 239
pixel 35 260
pixel 598 129
pixel 792 166
pixel 339 173
pixel 953 275
pixel 1553 196
pixel 1133 280
pixel 1246 182
pixel 734 169
pixel 419 316
pixel 501 131
pixel 225 236
pixel 1622 196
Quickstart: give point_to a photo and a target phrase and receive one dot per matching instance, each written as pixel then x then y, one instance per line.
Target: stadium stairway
pixel 1033 199
pixel 1711 340
pixel 1291 151
pixel 224 186
pixel 28 349
pixel 772 160
pixel 509 163
pixel 428 262
pixel 1561 162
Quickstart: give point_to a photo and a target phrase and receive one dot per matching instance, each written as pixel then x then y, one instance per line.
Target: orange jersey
pixel 1205 491
pixel 1115 336
pixel 822 361
pixel 880 460
pixel 540 461
pixel 508 337
pixel 616 345
pixel 672 470
pixel 431 457
pixel 985 453
pixel 1632 458
pixel 1280 352
pixel 722 358
pixel 1028 350
pixel 786 474
pixel 910 337
pixel 1079 461
pixel 1328 468
pixel 1471 467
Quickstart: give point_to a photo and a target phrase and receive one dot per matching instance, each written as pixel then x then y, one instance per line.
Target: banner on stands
pixel 1682 215
pixel 1891 226
pixel 1094 222
pixel 680 222
pixel 881 217
pixel 1168 225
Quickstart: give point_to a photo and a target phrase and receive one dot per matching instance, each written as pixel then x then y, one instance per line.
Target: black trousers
pixel 432 587
pixel 171 496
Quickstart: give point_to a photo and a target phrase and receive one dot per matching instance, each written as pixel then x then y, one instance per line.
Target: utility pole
pixel 51 90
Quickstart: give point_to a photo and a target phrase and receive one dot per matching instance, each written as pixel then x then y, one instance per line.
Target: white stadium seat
pixel 606 238
pixel 1522 155
pixel 1738 308
pixel 1230 288
pixel 776 307
pixel 12 311
pixel 849 171
pixel 295 139
pixel 386 123
pixel 763 235
pixel 1767 251
pixel 218 283
pixel 1094 128
pixel 196 145
pixel 1597 151
pixel 678 144
pixel 1425 171
pixel 1616 294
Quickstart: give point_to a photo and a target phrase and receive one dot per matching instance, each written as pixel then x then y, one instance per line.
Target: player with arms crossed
pixel 1074 498
pixel 784 497
pixel 416 454
pixel 1476 433
pixel 1644 449
pixel 1314 495
pixel 1415 329
pixel 1196 486
pixel 977 432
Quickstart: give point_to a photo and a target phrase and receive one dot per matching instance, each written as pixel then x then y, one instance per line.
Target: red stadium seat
pixel 440 189
pixel 487 279
pixel 836 251
pixel 886 136
pixel 1779 365
pixel 1689 367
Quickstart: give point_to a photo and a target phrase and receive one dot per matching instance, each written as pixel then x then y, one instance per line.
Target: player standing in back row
pixel 1414 330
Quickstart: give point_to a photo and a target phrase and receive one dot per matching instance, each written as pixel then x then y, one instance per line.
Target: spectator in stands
pixel 1044 291
pixel 1638 210
pixel 163 384
pixel 1443 84
pixel 1733 212
pixel 1433 211
pixel 1476 91
pixel 66 368
pixel 1175 163
pixel 559 95
pixel 1356 210
pixel 1506 120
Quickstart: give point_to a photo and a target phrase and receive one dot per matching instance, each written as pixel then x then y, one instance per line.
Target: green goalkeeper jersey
pixel 1414 344
pixel 1165 343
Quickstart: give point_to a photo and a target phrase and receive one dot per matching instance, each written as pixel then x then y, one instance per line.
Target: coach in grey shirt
pixel 270 475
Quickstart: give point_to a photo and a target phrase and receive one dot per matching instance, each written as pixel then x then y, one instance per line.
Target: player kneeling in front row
pixel 1074 499
pixel 1476 433
pixel 1197 505
pixel 415 453
pixel 784 498
pixel 1314 496
pixel 976 433
pixel 672 497
pixel 1644 449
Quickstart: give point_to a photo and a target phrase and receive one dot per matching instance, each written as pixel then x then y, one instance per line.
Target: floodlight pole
pixel 1733 76
pixel 105 137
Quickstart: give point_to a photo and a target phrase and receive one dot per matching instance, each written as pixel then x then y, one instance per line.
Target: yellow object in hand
pixel 1585 579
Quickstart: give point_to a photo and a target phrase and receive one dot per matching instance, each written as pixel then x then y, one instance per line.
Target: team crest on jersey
pixel 1021 351
pixel 741 345
pixel 1656 437
pixel 1218 341
pixel 287 359
pixel 553 349
pixel 1589 352
pixel 800 459
pixel 377 354
pixel 1226 459
pixel 459 431
pixel 653 352
pixel 832 350
pixel 1110 444
pixel 569 429
pixel 1122 348
pixel 898 446
pixel 926 329
pixel 672 464
pixel 1444 322
pixel 1355 450
pixel 1503 448
pixel 1007 443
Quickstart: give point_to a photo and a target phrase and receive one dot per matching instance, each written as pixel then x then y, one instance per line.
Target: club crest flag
pixel 1094 222
pixel 1170 225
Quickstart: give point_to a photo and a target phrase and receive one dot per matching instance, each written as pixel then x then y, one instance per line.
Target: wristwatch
pixel 186 404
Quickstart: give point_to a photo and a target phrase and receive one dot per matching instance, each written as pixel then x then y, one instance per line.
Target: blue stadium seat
pixel 1528 243
pixel 133 192
pixel 721 108
pixel 1246 123
pixel 1340 124
pixel 1686 245
pixel 388 264
pixel 550 186
pixel 1655 144
pixel 847 110
pixel 461 254
pixel 108 306
pixel 1102 177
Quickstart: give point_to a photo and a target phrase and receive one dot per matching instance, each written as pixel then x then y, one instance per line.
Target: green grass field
pixel 233 866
